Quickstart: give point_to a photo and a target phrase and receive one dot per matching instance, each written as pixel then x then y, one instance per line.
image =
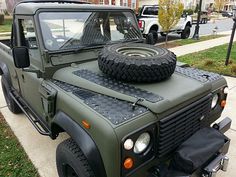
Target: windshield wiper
pixel 131 40
pixel 77 49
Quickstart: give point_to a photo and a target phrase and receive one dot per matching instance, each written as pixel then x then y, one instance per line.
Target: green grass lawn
pixel 202 38
pixel 7 26
pixel 13 159
pixel 213 60
pixel 181 42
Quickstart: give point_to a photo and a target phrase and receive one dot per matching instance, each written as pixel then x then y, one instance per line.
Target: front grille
pixel 178 127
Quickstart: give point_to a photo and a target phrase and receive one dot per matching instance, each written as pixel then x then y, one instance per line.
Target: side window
pixel 150 11
pixel 27 34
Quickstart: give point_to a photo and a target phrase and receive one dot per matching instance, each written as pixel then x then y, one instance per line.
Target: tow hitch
pixel 219 163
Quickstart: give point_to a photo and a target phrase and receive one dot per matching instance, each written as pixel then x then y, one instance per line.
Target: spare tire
pixel 137 62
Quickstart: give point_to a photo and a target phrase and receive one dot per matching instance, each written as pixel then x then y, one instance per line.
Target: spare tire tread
pixel 136 69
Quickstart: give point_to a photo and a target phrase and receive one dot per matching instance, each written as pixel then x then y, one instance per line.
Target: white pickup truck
pixel 148 23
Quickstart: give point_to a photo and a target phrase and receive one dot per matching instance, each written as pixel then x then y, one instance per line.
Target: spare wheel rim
pixel 137 52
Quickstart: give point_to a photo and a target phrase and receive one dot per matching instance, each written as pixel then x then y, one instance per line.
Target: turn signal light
pixel 128 164
pixel 223 103
pixel 86 124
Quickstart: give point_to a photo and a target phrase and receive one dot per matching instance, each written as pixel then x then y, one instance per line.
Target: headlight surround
pixel 142 143
pixel 214 101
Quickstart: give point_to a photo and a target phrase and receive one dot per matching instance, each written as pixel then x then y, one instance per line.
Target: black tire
pixel 150 39
pixel 71 161
pixel 186 32
pixel 137 62
pixel 11 104
pixel 155 35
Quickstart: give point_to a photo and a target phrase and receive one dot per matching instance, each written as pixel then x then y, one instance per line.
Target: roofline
pixel 52 1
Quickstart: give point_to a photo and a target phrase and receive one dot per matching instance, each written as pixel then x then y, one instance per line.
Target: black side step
pixel 38 124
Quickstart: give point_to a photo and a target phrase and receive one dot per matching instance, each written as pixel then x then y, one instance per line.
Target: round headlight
pixel 214 101
pixel 129 144
pixel 142 143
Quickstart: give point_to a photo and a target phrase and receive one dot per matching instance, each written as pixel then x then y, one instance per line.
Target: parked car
pixel 204 18
pixel 129 108
pixel 227 14
pixel 148 23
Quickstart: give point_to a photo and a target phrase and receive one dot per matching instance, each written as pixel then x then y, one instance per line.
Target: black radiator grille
pixel 176 128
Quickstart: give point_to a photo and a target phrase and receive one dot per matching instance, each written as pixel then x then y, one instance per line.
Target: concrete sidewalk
pixel 41 150
pixel 200 46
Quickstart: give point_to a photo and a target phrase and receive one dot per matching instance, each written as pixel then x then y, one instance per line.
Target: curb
pixel 5 34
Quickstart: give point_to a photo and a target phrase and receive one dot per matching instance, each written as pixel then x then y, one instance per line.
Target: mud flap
pixel 197 151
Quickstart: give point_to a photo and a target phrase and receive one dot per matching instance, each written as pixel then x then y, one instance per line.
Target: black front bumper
pixel 217 161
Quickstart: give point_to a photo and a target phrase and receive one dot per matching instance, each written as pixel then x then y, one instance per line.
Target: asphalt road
pixel 222 25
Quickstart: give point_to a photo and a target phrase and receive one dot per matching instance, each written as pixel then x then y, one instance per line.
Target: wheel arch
pixel 188 24
pixel 63 123
pixel 154 27
pixel 5 71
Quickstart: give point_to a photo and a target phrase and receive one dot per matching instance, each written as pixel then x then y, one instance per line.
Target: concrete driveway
pixel 41 149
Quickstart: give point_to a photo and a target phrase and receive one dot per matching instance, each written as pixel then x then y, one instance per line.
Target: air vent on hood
pixel 118 86
pixel 197 74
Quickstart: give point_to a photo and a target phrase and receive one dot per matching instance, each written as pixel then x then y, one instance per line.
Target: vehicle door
pixel 181 24
pixel 28 81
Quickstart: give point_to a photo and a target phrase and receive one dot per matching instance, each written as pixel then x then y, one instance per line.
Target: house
pixel 2 6
pixel 133 4
pixel 188 4
pixel 230 5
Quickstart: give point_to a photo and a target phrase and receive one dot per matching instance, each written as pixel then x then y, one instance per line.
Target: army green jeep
pixel 130 109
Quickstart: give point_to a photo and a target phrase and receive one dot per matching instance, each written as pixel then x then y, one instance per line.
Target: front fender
pixel 84 141
pixel 5 71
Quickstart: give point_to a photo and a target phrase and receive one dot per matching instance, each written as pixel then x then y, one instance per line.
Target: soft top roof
pixel 30 8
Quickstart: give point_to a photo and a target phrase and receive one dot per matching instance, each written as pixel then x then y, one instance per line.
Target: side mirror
pixel 21 57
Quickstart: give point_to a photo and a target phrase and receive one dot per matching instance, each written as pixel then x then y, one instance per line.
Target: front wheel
pixel 186 32
pixel 71 161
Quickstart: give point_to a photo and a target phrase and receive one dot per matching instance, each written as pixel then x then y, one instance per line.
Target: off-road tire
pixel 186 32
pixel 11 104
pixel 150 39
pixel 137 62
pixel 155 36
pixel 69 156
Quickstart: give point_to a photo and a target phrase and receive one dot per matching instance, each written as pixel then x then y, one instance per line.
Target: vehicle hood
pixel 157 97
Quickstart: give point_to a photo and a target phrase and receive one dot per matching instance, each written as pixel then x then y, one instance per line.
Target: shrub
pixel 233 69
pixel 208 62
pixel 188 11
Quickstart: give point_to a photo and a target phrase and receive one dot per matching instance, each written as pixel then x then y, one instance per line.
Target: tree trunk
pixel 166 39
pixel 1 19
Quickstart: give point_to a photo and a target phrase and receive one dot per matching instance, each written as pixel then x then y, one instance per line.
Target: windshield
pixel 71 30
